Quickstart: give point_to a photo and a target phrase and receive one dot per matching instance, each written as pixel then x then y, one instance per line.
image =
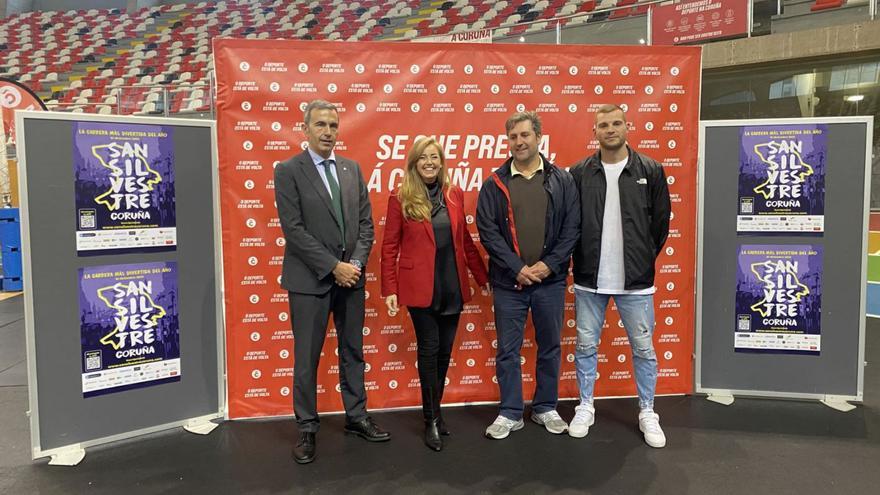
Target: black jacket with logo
pixel 644 207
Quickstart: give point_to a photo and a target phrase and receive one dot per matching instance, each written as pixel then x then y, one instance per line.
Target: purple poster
pixel 124 177
pixel 779 299
pixel 782 179
pixel 129 326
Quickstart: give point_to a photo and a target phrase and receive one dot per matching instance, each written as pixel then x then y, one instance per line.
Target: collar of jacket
pixel 504 174
pixel 595 162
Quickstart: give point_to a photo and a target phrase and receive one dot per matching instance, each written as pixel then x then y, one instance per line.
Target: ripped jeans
pixel 637 315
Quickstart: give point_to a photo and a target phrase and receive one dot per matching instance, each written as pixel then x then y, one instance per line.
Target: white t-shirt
pixel 612 277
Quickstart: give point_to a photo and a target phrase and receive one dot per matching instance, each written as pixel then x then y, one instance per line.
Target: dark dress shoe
pixel 432 435
pixel 304 452
pixel 441 427
pixel 368 430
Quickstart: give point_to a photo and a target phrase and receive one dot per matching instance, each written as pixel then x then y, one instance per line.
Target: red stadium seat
pixel 588 6
pixel 826 5
pixel 620 13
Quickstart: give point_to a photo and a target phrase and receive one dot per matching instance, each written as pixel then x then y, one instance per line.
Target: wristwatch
pixel 357 264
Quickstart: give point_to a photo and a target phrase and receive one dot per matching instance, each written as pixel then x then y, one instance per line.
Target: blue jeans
pixel 637 314
pixel 547 302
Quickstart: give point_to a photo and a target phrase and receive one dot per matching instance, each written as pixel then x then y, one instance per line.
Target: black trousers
pixel 309 315
pixel 435 335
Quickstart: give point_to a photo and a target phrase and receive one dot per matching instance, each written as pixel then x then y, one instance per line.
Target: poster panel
pixel 388 94
pixel 129 326
pixel 124 188
pixel 782 179
pixel 779 299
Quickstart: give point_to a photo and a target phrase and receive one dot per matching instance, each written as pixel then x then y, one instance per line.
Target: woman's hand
pixel 391 304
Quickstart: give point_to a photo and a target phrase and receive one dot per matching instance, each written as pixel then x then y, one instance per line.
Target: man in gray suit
pixel 325 214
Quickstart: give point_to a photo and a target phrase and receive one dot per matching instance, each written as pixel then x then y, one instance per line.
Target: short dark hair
pixel 317 105
pixel 522 117
pixel 611 107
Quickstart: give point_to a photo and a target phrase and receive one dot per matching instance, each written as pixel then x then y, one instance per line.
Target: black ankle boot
pixel 441 427
pixel 432 435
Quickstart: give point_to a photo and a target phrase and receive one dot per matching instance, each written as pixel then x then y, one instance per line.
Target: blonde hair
pixel 413 194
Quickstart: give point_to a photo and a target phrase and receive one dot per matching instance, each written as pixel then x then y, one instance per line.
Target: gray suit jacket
pixel 314 243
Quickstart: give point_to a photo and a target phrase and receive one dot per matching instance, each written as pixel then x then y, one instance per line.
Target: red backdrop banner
pixel 693 21
pixel 389 94
pixel 16 96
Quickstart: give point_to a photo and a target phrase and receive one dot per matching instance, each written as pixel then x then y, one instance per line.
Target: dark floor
pixel 753 447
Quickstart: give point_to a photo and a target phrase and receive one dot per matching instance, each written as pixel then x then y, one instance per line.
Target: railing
pixel 194 100
pixel 769 11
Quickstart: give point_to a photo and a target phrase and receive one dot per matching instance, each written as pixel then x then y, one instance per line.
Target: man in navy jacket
pixel 529 220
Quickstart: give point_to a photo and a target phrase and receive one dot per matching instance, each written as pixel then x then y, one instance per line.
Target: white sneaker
pixel 649 424
pixel 584 417
pixel 501 427
pixel 551 420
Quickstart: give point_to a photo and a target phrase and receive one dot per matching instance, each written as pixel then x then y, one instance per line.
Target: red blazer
pixel 408 252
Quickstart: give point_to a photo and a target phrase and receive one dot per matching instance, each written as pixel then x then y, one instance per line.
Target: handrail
pixel 167 91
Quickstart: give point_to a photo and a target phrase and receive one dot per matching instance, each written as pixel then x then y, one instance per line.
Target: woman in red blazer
pixel 426 252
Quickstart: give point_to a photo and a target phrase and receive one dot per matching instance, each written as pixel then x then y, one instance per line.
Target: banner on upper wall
pixel 697 21
pixel 479 36
pixel 389 94
pixel 124 188
pixel 779 299
pixel 782 179
pixel 129 326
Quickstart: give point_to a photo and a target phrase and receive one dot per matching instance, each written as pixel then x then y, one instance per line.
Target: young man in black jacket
pixel 625 210
pixel 528 218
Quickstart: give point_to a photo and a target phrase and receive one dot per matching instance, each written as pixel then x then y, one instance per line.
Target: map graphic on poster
pixel 124 188
pixel 779 299
pixel 782 179
pixel 129 326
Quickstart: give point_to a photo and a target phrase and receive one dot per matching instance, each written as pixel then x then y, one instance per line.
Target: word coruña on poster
pixel 782 179
pixel 124 186
pixel 129 326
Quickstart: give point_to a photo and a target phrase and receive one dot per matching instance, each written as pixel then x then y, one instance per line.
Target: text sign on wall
pixel 692 21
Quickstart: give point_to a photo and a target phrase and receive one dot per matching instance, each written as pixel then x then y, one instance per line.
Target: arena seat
pixel 621 12
pixel 826 5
